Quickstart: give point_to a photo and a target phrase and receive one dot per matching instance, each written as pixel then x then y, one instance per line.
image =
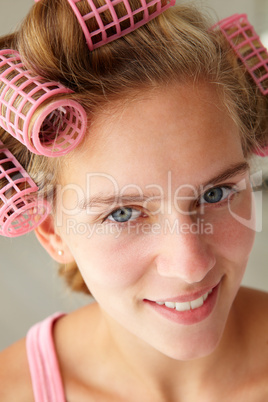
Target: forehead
pixel 182 127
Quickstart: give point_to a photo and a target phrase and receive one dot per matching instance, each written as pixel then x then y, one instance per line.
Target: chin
pixel 194 347
pixel 195 353
pixel 191 353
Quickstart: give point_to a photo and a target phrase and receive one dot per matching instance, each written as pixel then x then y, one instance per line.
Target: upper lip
pixel 187 297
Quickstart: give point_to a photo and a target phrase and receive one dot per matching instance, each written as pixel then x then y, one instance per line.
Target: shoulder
pixel 252 306
pixel 255 302
pixel 251 312
pixel 15 377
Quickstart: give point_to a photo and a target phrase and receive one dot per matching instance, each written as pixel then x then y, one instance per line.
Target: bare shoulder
pixel 15 377
pixel 255 300
pixel 252 305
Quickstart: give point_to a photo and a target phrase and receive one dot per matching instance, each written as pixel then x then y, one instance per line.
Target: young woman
pixel 152 214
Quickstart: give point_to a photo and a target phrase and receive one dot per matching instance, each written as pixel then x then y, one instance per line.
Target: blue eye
pixel 216 194
pixel 123 215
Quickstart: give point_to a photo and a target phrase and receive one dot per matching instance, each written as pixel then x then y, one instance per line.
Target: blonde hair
pixel 178 45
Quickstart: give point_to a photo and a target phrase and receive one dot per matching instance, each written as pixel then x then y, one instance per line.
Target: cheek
pixel 235 240
pixel 113 263
pixel 234 232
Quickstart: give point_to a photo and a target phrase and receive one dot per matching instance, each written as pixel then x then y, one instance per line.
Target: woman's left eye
pixel 216 194
pixel 125 214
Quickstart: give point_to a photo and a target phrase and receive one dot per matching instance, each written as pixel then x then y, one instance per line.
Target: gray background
pixel 29 286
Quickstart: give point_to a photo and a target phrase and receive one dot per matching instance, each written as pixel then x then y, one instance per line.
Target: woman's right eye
pixel 123 215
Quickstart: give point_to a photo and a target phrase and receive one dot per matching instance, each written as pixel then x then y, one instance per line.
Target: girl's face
pixel 153 210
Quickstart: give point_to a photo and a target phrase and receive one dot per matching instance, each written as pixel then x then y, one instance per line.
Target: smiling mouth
pixel 184 306
pixel 187 311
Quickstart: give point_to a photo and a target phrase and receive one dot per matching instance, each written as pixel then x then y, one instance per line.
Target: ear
pixel 52 241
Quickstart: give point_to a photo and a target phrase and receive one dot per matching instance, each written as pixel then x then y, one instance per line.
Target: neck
pixel 169 378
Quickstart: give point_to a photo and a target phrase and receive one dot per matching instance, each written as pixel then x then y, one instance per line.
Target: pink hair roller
pixel 262 151
pixel 247 45
pixel 20 210
pixel 106 33
pixel 60 124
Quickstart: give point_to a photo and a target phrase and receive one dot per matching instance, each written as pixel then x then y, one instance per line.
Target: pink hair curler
pixel 263 152
pixel 105 33
pixel 20 210
pixel 247 45
pixel 30 113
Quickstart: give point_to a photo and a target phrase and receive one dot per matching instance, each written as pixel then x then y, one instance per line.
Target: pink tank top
pixel 43 362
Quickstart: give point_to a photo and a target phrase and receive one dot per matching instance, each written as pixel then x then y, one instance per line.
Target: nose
pixel 185 254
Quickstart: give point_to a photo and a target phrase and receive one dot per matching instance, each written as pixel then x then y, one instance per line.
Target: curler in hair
pixel 20 209
pixel 248 47
pixel 120 26
pixel 30 111
pixel 263 152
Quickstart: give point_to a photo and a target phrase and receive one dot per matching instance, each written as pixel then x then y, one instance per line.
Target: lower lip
pixel 187 317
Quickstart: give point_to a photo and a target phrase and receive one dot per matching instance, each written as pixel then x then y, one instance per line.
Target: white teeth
pixel 183 306
pixel 170 304
pixel 197 303
pixel 186 305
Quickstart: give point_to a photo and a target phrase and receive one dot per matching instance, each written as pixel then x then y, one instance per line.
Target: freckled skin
pixel 184 130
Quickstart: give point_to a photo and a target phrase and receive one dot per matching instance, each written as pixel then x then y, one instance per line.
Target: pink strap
pixel 43 363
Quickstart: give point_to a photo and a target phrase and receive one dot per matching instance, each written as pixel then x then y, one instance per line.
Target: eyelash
pixel 231 189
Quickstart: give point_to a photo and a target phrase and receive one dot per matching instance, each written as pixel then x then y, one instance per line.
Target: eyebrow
pixel 233 170
pixel 101 199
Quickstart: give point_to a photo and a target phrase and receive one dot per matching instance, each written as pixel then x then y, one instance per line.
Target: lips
pixel 187 309
pixel 188 305
pixel 188 297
